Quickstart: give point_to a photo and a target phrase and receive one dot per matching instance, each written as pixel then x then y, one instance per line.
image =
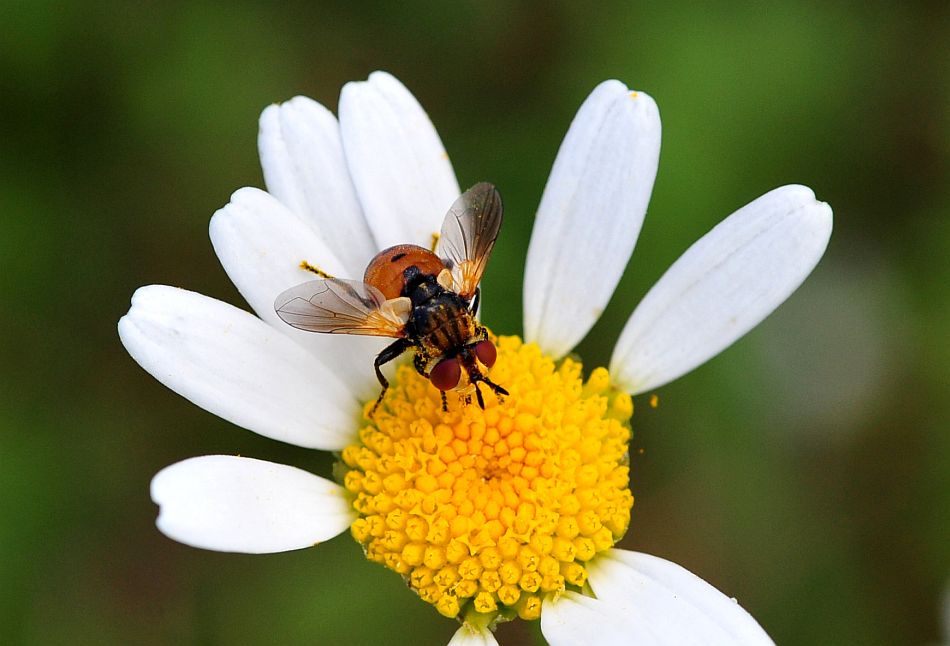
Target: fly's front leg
pixel 478 396
pixel 476 377
pixel 389 353
pixel 498 390
pixel 420 361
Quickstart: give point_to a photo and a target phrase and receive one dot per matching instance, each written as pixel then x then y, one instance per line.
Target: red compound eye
pixel 446 374
pixel 486 353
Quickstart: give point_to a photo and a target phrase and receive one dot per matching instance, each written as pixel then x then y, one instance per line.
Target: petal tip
pixel 816 210
pixel 619 91
pixel 382 76
pixel 142 295
pixel 269 115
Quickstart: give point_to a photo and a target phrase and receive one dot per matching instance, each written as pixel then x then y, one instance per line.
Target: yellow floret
pixel 488 511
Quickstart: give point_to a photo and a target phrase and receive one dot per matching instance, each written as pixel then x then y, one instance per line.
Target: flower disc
pixel 487 511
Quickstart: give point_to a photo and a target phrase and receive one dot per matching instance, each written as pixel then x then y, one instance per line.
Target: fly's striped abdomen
pixel 443 324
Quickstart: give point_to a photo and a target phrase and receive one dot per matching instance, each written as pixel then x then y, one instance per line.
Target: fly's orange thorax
pixel 386 271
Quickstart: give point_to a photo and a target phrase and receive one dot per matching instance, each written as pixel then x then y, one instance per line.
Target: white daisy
pixel 487 514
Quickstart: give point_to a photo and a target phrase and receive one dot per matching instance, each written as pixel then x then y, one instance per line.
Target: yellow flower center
pixel 486 511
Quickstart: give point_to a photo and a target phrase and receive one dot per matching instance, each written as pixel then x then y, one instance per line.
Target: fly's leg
pixel 313 269
pixel 389 353
pixel 435 242
pixel 420 361
pixel 474 306
pixel 478 396
pixel 498 390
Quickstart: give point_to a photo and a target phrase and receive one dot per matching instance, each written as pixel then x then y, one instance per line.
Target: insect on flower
pixel 425 302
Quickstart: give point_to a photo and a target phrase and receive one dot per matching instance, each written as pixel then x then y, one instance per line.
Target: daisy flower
pixel 511 511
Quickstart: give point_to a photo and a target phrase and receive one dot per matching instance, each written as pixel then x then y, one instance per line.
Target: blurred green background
pixel 805 471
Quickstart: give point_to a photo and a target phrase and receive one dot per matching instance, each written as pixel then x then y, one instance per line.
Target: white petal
pixel 571 619
pixel 469 635
pixel 304 167
pixel 234 365
pixel 722 287
pixel 398 163
pixel 643 600
pixel 261 244
pixel 234 504
pixel 590 215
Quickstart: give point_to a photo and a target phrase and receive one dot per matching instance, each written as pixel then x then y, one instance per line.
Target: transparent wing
pixel 468 235
pixel 336 306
